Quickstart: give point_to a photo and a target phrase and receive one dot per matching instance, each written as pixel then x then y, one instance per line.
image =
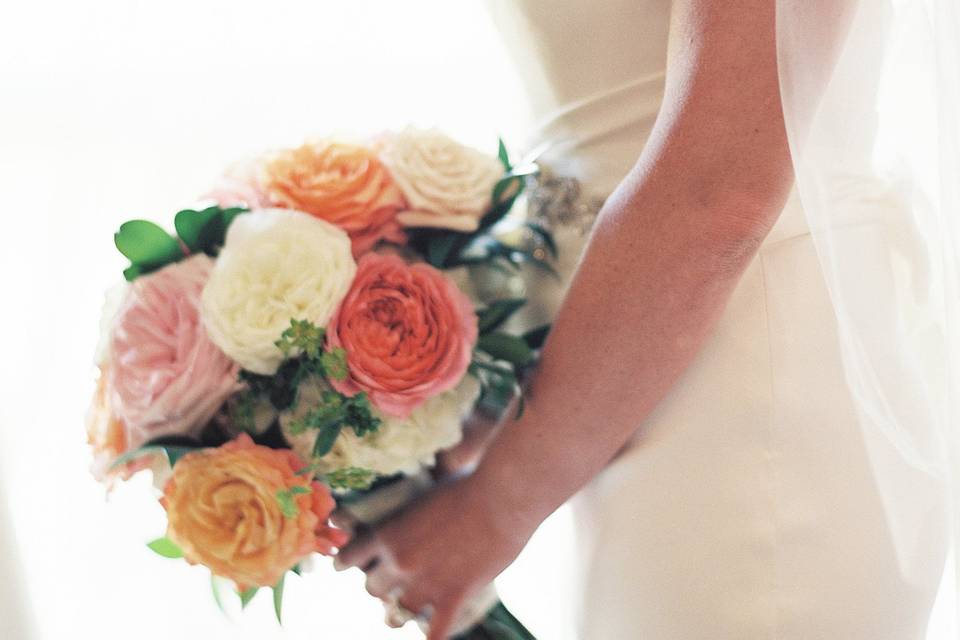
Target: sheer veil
pixel 871 102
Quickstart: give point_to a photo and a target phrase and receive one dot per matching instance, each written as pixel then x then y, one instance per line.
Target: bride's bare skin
pixel 668 249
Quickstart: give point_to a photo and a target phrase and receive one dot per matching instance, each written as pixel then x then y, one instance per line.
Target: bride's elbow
pixel 734 230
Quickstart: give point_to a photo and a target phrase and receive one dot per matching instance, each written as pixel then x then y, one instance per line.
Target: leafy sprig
pixel 353 478
pixel 501 360
pixel 303 343
pixel 149 247
pixel 287 499
pixel 334 413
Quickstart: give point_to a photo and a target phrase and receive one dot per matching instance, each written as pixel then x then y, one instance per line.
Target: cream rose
pixel 447 185
pixel 400 445
pixel 276 265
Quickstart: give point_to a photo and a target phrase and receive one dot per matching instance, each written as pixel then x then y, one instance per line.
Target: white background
pixel 116 109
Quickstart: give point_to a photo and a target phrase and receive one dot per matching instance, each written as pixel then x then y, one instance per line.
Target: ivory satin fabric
pixel 746 506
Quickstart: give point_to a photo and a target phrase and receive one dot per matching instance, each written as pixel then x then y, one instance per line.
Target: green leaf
pixel 439 249
pixel 351 478
pixel 535 338
pixel 288 506
pixel 278 599
pixel 133 272
pixel 302 336
pixel 166 548
pixel 497 313
pixel 172 452
pixel 228 216
pixel 247 596
pixel 215 590
pixel 326 438
pixel 147 244
pixel 199 229
pixel 506 189
pixel 503 346
pixel 335 363
pixel 502 154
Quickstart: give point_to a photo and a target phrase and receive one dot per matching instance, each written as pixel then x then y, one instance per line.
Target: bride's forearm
pixel 669 247
pixel 653 281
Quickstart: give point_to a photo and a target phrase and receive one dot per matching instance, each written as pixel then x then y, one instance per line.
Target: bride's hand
pixel 436 554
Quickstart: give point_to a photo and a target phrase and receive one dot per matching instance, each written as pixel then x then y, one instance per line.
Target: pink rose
pixel 408 333
pixel 168 377
pixel 239 187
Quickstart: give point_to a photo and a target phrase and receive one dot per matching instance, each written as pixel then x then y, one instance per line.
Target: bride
pixel 723 389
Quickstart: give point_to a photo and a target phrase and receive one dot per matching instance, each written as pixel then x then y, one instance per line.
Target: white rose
pixel 447 185
pixel 276 265
pixel 400 445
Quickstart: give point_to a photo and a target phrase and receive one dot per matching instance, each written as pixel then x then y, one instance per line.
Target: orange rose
pixel 341 183
pixel 106 433
pixel 242 511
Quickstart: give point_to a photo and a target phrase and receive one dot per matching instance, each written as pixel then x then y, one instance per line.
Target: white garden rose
pixel 275 265
pixel 400 445
pixel 447 185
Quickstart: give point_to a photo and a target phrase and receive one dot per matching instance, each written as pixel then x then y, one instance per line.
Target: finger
pixel 417 603
pixel 382 583
pixel 343 519
pixel 444 617
pixel 361 552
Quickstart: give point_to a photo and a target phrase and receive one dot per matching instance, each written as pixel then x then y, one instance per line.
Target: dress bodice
pixel 594 75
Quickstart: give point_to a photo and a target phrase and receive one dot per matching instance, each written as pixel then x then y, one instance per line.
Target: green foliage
pixel 491 318
pixel 278 599
pixel 286 498
pixel 165 547
pixel 335 363
pixel 535 338
pixel 215 590
pixel 247 596
pixel 172 453
pixel 503 155
pixel 446 249
pixel 205 230
pixel 302 337
pixel 503 346
pixel 332 414
pixel 351 478
pixel 149 247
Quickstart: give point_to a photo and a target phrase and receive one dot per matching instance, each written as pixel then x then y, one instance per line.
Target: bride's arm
pixel 667 251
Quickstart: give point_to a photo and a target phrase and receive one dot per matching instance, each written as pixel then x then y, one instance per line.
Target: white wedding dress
pixel 745 507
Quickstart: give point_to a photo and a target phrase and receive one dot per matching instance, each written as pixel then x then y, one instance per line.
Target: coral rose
pixel 224 511
pixel 167 377
pixel 408 333
pixel 344 184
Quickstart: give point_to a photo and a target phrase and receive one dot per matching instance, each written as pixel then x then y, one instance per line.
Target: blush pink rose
pixel 168 378
pixel 408 333
pixel 240 187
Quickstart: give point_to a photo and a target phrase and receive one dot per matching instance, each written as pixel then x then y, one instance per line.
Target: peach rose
pixel 167 376
pixel 224 511
pixel 408 333
pixel 344 184
pixel 106 434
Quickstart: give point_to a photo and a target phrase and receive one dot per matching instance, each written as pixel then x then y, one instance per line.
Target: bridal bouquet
pixel 308 341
